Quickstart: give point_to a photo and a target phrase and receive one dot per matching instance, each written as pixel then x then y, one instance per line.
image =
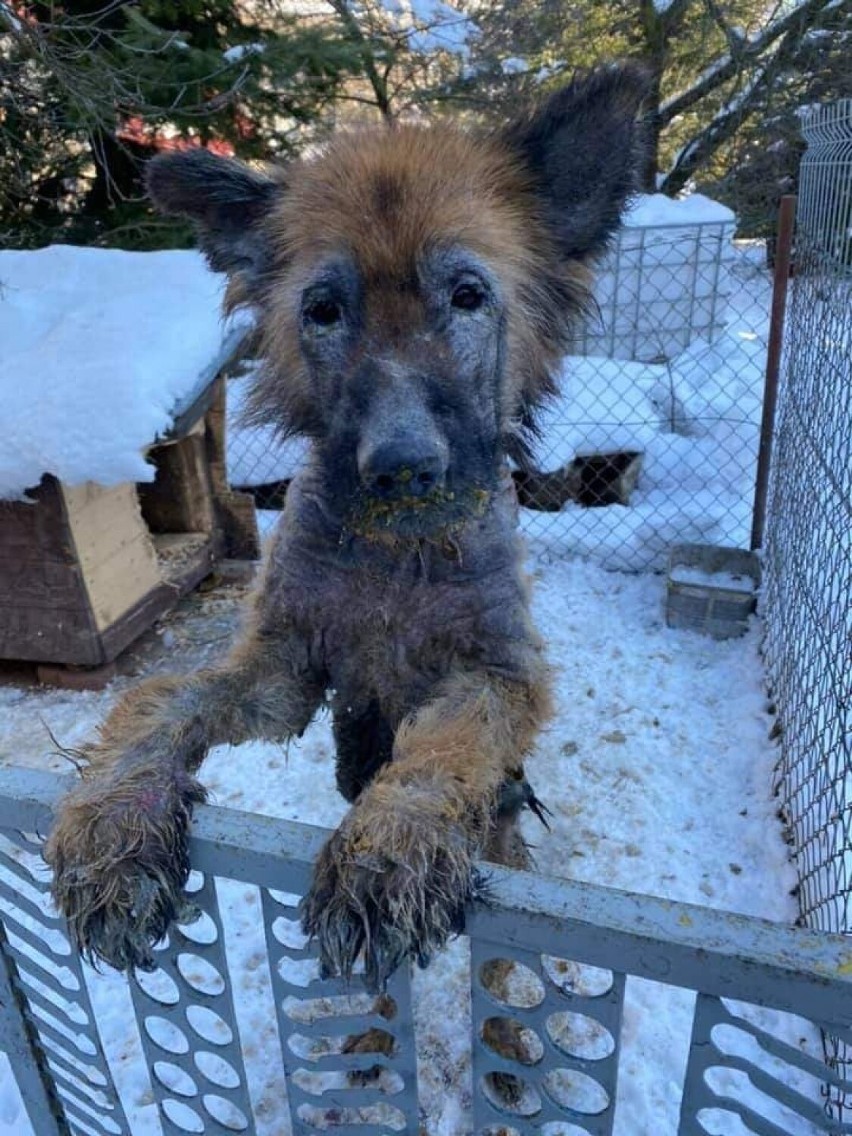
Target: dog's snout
pixel 402 469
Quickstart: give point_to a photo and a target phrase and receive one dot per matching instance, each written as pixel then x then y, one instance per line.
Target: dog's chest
pixel 380 623
pixel 395 631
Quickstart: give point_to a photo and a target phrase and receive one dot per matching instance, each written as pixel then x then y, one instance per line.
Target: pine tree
pixel 89 89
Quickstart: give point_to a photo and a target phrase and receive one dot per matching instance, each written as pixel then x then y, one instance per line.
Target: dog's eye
pixel 321 313
pixel 468 296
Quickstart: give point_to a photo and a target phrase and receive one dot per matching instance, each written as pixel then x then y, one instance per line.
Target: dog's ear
pixel 583 147
pixel 224 198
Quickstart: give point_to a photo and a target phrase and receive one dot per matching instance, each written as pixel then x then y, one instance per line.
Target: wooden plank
pixel 50 634
pixel 180 499
pixel 215 422
pixel 161 599
pixel 238 521
pixel 234 571
pixel 114 550
pixel 76 678
pixel 236 517
pixel 106 518
pixel 26 582
pixel 36 528
pixel 44 604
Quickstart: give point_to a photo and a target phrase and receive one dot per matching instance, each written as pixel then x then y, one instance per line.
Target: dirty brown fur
pixel 413 289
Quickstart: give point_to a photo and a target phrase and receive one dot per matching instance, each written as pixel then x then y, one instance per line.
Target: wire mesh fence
pixel 654 436
pixel 808 553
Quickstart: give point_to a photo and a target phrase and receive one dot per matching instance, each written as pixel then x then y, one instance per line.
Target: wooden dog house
pixel 85 569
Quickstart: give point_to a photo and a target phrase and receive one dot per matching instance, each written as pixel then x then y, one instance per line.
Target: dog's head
pixel 415 287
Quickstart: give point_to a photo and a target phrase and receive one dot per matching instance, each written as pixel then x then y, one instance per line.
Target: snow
pixel 514 65
pixel 694 209
pixel 432 26
pixel 696 419
pixel 701 578
pixel 240 50
pixel 644 713
pixel 98 346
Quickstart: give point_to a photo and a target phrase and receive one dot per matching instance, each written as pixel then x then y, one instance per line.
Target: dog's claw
pixel 383 908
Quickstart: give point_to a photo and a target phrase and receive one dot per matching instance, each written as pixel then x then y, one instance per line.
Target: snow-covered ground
pixel 658 770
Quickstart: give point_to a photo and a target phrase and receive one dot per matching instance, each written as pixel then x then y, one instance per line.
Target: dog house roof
pixel 101 351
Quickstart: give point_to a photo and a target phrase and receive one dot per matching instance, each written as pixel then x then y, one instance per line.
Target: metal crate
pixel 711 590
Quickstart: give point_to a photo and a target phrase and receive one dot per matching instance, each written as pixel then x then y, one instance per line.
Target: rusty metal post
pixel 780 285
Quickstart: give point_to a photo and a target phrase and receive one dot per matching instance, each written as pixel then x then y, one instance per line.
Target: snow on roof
pixel 657 209
pixel 99 345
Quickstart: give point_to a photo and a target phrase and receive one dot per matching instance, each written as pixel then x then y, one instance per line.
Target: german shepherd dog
pixel 414 289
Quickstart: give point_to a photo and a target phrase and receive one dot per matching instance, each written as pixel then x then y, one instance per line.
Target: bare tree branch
pixel 804 15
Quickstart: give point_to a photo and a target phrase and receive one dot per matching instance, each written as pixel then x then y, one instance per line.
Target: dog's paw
pixel 395 894
pixel 120 864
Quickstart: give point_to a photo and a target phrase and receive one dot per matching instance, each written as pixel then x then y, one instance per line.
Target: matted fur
pixel 413 290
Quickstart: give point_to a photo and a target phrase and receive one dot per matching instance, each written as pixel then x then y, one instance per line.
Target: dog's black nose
pixel 400 469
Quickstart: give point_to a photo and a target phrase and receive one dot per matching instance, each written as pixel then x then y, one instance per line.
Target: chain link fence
pixel 808 553
pixel 654 437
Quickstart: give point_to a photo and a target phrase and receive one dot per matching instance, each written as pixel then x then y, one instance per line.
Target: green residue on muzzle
pixel 378 517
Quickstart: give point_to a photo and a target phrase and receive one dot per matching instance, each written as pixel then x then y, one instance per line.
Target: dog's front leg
pixel 118 847
pixel 396 876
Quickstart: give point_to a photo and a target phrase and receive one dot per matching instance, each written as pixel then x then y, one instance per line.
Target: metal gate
pixel 196 1058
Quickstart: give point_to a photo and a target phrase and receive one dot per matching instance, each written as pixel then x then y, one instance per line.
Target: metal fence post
pixel 780 285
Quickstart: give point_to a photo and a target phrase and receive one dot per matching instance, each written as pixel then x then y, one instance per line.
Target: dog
pixel 414 289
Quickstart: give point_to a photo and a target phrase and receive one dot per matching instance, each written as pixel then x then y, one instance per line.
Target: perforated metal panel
pixel 549 962
pixel 44 978
pixel 329 1087
pixel 190 1037
pixel 729 1058
pixel 568 1017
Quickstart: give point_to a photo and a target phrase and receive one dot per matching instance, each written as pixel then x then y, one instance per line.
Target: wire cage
pixel 808 551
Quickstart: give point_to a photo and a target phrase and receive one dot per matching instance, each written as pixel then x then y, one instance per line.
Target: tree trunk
pixel 658 28
pixel 653 128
